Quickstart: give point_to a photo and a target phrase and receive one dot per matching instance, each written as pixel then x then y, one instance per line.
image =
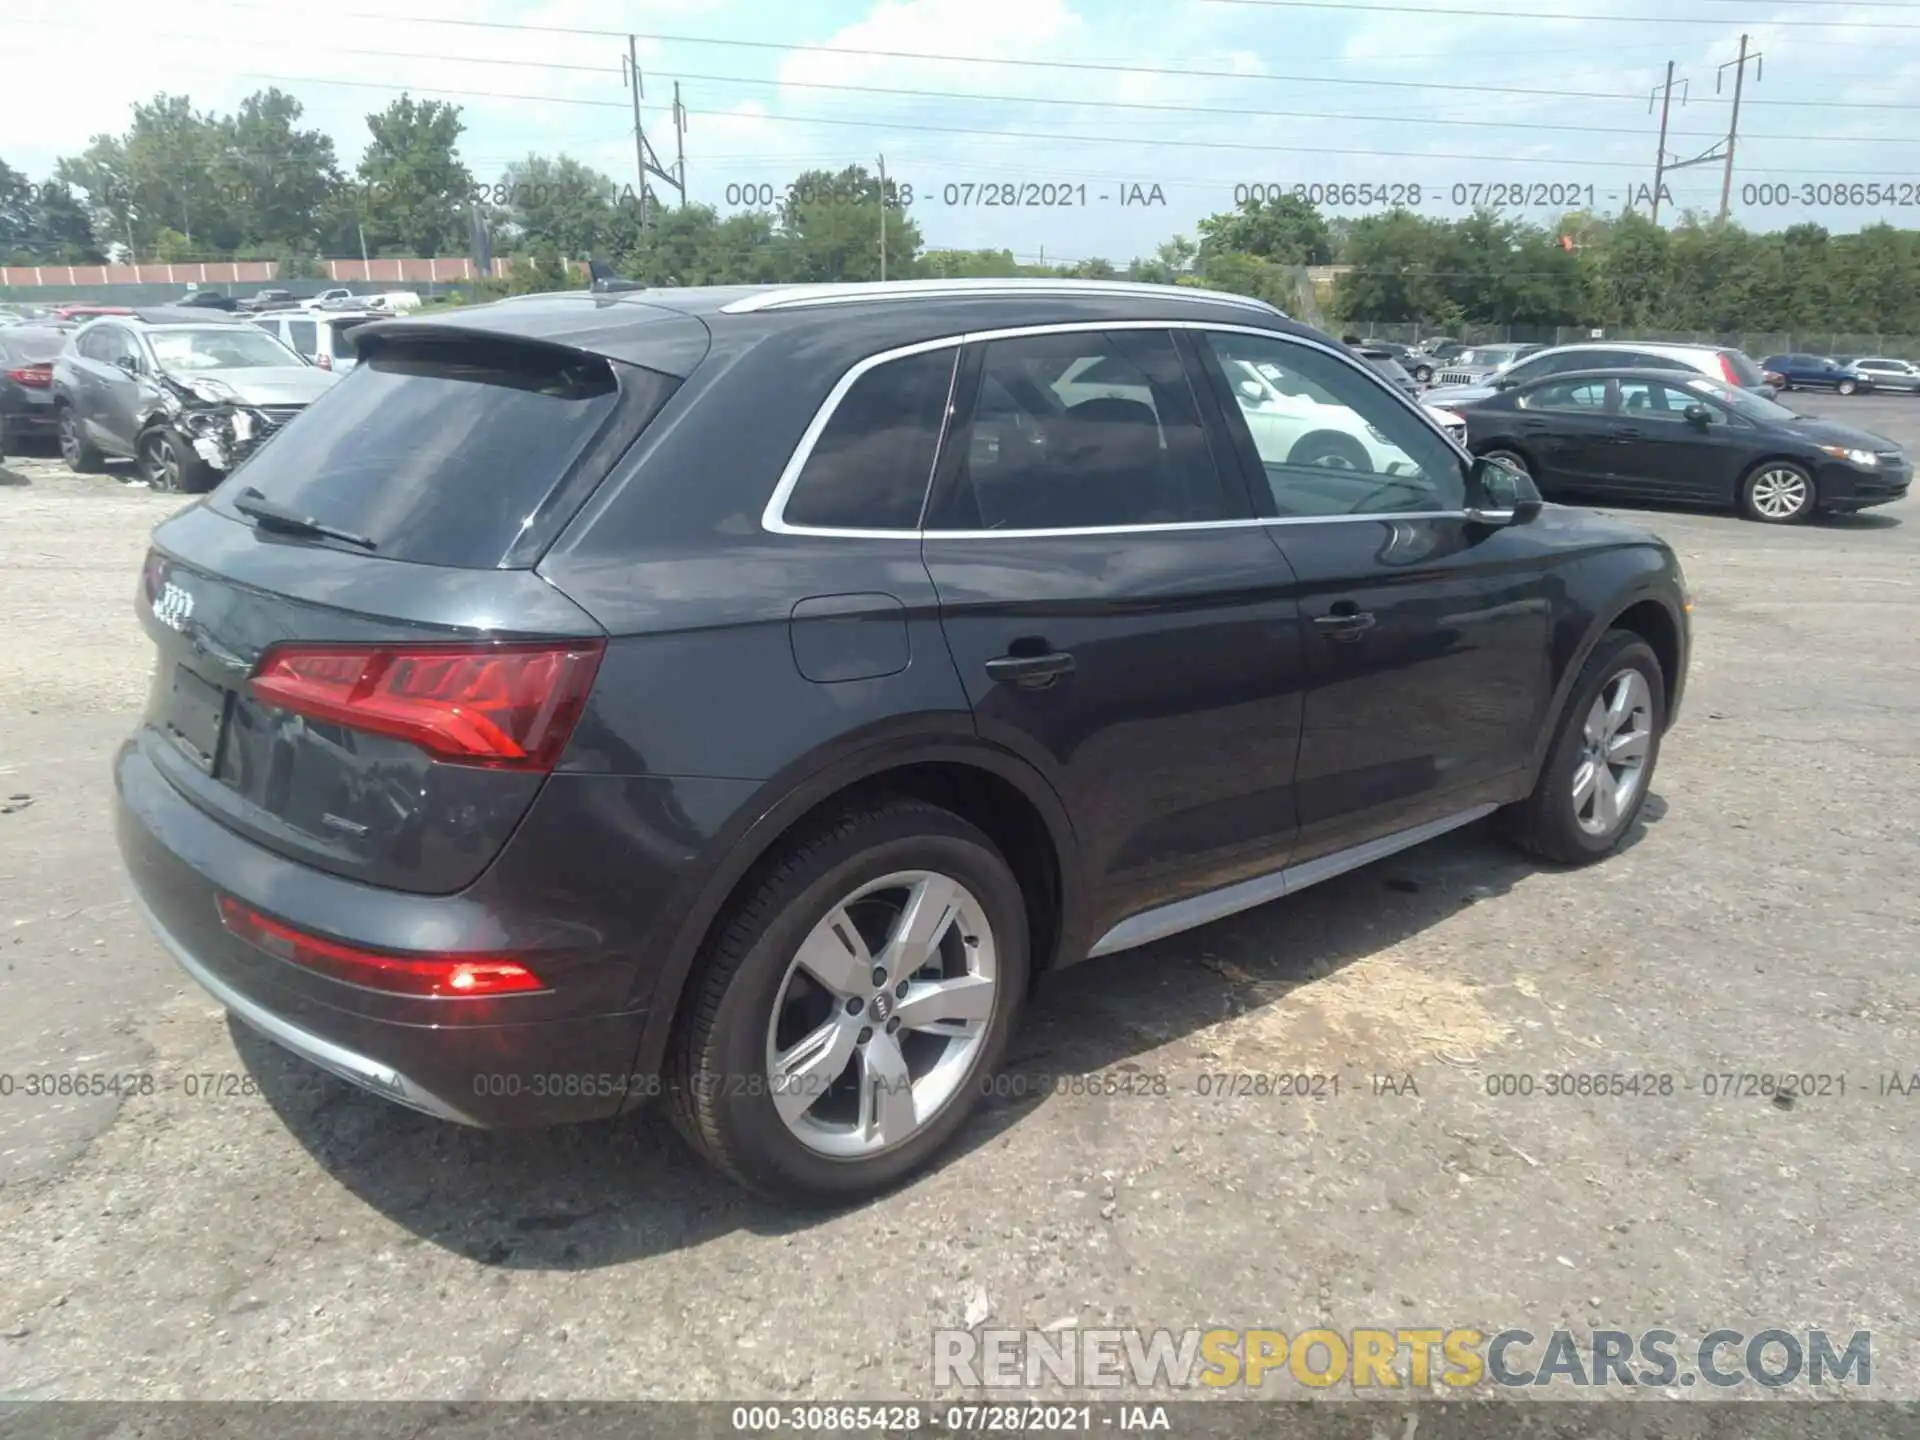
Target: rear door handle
pixel 1345 622
pixel 1031 670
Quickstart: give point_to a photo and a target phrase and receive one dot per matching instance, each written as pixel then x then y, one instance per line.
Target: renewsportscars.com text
pixel 1404 1357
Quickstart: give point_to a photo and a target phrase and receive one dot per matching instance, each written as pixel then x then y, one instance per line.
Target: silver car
pixel 1470 367
pixel 1889 373
pixel 186 394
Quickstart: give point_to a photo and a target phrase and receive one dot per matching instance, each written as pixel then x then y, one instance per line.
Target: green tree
pixel 415 192
pixel 278 181
pixel 1287 231
pixel 568 204
pixel 832 223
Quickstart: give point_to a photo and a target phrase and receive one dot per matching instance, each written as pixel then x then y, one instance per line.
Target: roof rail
pixel 801 297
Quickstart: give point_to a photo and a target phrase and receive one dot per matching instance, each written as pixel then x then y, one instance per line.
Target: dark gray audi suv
pixel 740 696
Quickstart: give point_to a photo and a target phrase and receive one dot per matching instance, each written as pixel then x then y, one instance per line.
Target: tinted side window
pixel 1542 366
pixel 1587 397
pixel 1080 430
pixel 870 467
pixel 1642 360
pixel 1330 440
pixel 301 335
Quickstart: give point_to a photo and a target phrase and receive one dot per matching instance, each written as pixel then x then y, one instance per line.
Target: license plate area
pixel 197 717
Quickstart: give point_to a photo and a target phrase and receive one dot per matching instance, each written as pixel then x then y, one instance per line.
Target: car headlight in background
pixel 1864 458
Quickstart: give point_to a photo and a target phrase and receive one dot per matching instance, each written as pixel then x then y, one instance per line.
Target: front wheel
pixel 1778 493
pixel 1846 387
pixel 167 462
pixel 1510 457
pixel 1423 373
pixel 1601 763
pixel 1331 451
pixel 851 1006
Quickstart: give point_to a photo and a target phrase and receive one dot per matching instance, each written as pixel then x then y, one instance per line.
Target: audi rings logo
pixel 173 606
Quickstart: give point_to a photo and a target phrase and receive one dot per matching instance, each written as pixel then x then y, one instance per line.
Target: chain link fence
pixel 1756 343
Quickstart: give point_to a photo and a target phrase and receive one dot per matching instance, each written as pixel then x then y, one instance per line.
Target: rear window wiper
pixel 270 516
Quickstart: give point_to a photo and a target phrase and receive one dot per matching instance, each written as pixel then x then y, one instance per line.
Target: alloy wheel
pixel 69 440
pixel 1617 739
pixel 1507 457
pixel 163 462
pixel 881 1014
pixel 1780 493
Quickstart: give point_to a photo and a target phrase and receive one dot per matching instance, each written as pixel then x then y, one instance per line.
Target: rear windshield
pixel 32 343
pixel 440 451
pixel 1745 372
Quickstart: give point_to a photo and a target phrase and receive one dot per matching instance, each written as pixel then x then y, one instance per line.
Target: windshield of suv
pixel 218 347
pixel 1742 402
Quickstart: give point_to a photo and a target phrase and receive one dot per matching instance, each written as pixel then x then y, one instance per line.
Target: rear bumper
pixel 507 1062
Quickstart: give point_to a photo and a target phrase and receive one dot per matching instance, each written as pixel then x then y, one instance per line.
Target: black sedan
pixel 1662 435
pixel 26 383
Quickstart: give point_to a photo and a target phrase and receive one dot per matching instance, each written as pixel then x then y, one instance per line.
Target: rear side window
pixel 870 467
pixel 302 335
pixel 1084 430
pixel 441 450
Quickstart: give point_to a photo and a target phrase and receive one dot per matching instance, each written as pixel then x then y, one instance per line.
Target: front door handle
pixel 1345 621
pixel 1032 671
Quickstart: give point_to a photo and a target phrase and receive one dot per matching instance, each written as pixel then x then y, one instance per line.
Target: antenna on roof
pixel 606 282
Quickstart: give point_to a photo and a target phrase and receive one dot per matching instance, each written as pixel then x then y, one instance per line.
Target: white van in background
pixel 323 337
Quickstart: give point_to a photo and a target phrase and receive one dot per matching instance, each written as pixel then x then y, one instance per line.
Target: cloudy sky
pixel 1090 97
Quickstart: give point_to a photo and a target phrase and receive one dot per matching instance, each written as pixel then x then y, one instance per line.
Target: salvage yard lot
pixel 250 1228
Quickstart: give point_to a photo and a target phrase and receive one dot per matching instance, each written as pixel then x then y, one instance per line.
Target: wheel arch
pixel 1642 611
pixel 991 788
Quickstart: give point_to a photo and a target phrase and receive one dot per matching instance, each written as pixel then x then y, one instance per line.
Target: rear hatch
pixel 357 666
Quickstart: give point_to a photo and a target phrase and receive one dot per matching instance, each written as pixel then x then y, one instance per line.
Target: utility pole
pixel 645 161
pixel 680 144
pixel 883 218
pixel 1660 155
pixel 1733 128
pixel 632 77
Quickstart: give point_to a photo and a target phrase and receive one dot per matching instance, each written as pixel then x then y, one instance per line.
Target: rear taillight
pixel 428 976
pixel 1731 375
pixel 33 377
pixel 503 706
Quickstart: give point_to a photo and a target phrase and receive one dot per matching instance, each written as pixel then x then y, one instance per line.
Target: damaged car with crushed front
pixel 187 395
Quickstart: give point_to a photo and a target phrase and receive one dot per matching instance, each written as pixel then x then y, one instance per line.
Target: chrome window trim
pixel 773 517
pixel 804 297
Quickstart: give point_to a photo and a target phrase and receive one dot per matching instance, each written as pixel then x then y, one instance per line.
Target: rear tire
pixel 1596 778
pixel 80 453
pixel 761 1007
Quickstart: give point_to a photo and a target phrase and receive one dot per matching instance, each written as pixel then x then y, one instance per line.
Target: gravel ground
pixel 306 1241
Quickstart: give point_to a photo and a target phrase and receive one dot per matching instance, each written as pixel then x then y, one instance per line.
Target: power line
pixel 1097 67
pixel 1585 18
pixel 979 132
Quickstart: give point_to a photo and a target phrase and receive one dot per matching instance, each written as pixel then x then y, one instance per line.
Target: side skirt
pixel 1196 910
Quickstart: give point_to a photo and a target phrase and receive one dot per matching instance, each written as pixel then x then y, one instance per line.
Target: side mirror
pixel 1698 415
pixel 1499 494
